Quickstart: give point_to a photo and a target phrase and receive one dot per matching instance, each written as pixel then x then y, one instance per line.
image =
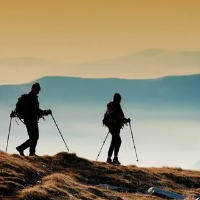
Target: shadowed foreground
pixel 66 176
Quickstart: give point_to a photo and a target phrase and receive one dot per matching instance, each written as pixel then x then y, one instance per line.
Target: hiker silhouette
pixel 32 114
pixel 115 125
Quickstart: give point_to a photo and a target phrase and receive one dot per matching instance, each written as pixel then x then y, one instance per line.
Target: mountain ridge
pixel 171 90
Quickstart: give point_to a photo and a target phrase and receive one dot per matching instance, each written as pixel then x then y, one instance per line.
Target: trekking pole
pixel 133 142
pixel 8 134
pixel 102 146
pixel 59 132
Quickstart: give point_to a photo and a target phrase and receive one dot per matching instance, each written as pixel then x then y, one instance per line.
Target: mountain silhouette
pixel 180 91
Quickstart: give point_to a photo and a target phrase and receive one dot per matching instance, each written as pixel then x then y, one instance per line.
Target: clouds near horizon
pixel 147 64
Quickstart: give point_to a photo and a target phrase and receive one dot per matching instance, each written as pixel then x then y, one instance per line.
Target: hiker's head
pixel 117 98
pixel 36 88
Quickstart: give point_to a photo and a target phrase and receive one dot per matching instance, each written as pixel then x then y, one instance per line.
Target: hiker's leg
pixel 117 147
pixel 112 146
pixel 34 135
pixel 118 142
pixel 114 133
pixel 26 144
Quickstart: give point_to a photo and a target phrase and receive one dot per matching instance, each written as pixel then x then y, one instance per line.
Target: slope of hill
pixel 66 176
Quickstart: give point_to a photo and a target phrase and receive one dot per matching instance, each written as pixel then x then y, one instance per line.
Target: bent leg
pixel 25 145
pixel 33 132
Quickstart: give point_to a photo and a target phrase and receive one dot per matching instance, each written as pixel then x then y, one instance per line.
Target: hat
pixel 117 96
pixel 36 86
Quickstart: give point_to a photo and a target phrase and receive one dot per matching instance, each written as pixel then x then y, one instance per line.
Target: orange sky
pixel 76 31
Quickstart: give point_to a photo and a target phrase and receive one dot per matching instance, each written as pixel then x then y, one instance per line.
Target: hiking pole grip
pixel 133 142
pixel 59 131
pixel 8 134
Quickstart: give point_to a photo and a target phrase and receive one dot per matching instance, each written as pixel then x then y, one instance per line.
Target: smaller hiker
pixel 114 119
pixel 27 108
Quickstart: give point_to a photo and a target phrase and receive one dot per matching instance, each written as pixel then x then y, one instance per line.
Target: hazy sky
pixel 75 31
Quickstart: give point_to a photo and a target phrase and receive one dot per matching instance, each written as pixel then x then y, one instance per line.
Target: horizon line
pixel 76 77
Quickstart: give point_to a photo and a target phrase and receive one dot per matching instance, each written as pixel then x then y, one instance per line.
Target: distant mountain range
pixel 151 63
pixel 174 91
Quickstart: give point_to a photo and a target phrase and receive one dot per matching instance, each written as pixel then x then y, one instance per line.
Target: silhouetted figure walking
pixel 114 119
pixel 32 114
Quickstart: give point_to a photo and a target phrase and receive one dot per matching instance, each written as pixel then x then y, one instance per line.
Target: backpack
pixel 22 106
pixel 109 116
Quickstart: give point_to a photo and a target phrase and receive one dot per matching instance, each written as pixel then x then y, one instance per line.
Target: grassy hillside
pixel 66 176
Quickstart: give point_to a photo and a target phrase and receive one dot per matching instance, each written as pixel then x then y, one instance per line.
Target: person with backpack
pixel 114 119
pixel 27 108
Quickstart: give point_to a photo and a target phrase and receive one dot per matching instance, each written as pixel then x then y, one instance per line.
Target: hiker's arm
pixel 45 112
pixel 127 120
pixel 12 114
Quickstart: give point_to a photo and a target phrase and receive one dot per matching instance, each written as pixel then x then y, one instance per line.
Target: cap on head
pixel 36 86
pixel 117 97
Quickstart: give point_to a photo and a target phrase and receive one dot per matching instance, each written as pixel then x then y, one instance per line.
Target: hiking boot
pixel 116 161
pixel 109 160
pixel 33 154
pixel 21 152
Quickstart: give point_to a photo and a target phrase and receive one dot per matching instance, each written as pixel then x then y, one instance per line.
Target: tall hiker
pixel 114 119
pixel 27 108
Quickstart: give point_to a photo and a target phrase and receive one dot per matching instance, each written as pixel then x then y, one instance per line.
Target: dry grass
pixel 65 176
